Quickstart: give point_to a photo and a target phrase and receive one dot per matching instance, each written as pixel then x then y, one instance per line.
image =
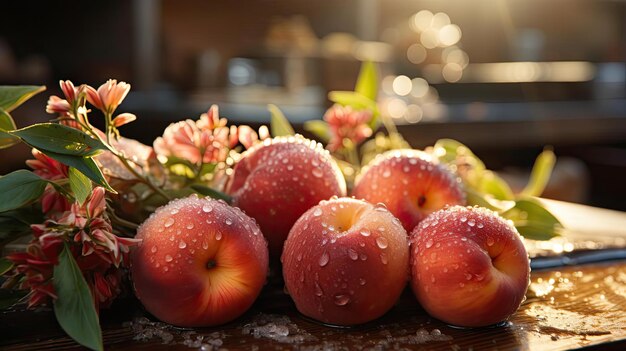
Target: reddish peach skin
pixel 345 262
pixel 201 262
pixel 410 183
pixel 469 266
pixel 277 181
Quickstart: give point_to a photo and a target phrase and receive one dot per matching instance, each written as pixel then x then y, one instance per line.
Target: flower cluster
pixel 207 140
pixel 98 252
pixel 347 123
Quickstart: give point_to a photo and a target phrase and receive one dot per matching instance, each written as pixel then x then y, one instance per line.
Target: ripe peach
pixel 345 261
pixel 277 181
pixel 469 266
pixel 201 262
pixel 410 183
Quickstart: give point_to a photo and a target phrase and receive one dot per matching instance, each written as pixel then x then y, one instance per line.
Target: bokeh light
pixel 402 85
pixel 416 53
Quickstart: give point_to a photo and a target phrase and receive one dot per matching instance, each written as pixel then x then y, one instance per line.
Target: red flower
pixel 98 252
pixel 50 169
pixel 346 123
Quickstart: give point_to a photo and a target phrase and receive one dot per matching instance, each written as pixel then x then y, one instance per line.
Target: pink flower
pixel 346 123
pixel 70 92
pixel 58 105
pixel 123 118
pixel 108 96
pixel 206 140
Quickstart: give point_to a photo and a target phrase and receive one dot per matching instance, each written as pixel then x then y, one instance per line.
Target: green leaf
pixel 532 220
pixel 9 297
pixel 279 124
pixel 367 83
pixel 540 174
pixel 355 100
pixel 7 124
pixel 60 139
pixel 210 192
pixel 491 183
pixel 319 129
pixel 74 308
pixel 80 185
pixel 15 224
pixel 20 188
pixel 13 96
pixel 86 165
pixel 5 265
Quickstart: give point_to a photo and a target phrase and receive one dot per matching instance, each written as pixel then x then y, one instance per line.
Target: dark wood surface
pixel 568 307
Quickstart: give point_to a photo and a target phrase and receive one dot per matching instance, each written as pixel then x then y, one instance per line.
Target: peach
pixel 469 266
pixel 277 181
pixel 411 183
pixel 345 261
pixel 201 262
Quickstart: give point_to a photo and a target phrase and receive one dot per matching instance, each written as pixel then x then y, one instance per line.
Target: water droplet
pixel 168 258
pixel 218 236
pixel 461 285
pixel 342 300
pixel 317 212
pixel 429 243
pixel 353 254
pixel 207 208
pixel 174 211
pixel 317 173
pixel 480 225
pixel 382 242
pixel 165 269
pixel 386 173
pixel 205 244
pixel 471 223
pixel 153 249
pixel 182 245
pixel 468 276
pixel 169 222
pixel 363 257
pixel 228 221
pixel 365 232
pixel 490 241
pixel 318 290
pixel 324 259
pixel 362 281
pixel 189 226
pixel 463 219
pixel 406 169
pixel 383 258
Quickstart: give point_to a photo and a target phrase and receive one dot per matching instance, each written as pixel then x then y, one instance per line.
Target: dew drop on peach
pixel 324 259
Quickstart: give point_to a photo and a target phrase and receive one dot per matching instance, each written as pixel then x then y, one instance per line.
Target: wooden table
pixel 570 306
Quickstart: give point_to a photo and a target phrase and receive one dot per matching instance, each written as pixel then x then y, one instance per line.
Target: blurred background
pixel 505 77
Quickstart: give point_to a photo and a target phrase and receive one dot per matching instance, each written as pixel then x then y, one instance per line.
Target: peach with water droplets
pixel 411 183
pixel 276 181
pixel 345 261
pixel 469 266
pixel 201 262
